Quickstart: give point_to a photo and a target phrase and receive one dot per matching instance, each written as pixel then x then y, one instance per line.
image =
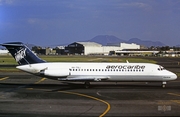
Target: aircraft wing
pixel 85 78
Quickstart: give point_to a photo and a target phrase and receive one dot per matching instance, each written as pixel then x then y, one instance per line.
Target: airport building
pixel 4 52
pixel 92 48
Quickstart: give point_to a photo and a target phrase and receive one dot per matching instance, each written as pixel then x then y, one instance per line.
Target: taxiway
pixel 22 94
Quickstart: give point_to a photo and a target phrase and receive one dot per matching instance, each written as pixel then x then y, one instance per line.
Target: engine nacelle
pixel 54 73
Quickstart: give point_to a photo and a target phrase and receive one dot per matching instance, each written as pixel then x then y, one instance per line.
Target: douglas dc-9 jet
pixel 85 71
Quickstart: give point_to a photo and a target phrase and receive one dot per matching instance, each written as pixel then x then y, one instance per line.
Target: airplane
pixel 87 72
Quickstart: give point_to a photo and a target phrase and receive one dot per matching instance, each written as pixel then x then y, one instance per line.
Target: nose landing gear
pixel 164 84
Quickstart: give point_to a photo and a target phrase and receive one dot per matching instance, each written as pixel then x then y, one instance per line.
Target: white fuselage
pixel 100 71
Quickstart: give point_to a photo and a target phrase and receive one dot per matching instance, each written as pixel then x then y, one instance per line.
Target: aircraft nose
pixel 173 76
pixel 168 75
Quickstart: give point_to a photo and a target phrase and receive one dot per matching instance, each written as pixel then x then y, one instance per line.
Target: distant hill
pixel 146 43
pixel 113 40
pixel 106 39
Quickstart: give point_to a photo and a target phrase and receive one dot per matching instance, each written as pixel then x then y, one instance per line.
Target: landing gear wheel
pixel 163 84
pixel 87 85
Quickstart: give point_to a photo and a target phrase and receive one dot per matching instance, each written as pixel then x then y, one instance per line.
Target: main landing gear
pixel 87 85
pixel 164 84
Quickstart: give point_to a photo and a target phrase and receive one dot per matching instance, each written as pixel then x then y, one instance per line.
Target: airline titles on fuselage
pixel 120 67
pixel 125 67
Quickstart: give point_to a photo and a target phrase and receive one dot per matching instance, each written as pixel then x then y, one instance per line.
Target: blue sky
pixel 50 22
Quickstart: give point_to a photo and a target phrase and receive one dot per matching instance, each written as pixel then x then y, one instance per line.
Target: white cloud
pixel 9 2
pixel 39 23
pixel 135 5
pixel 1 2
pixel 32 20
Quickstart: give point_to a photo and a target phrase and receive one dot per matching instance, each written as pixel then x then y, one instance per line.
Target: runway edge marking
pixel 4 78
pixel 84 95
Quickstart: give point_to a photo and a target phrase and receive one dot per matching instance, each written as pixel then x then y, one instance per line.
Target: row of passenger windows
pixel 129 70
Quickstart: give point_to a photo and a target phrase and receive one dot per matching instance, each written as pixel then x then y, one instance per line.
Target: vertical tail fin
pixel 22 54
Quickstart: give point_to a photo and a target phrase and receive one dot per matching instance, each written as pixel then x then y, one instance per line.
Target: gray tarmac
pixel 25 95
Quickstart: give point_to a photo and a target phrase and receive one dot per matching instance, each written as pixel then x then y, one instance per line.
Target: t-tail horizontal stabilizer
pixel 22 54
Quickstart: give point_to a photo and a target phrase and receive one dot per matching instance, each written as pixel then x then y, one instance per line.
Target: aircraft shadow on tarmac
pixel 74 86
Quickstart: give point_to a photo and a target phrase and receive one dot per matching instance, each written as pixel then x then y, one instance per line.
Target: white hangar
pixel 87 48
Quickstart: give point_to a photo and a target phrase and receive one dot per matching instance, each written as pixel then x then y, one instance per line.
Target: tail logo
pixel 20 54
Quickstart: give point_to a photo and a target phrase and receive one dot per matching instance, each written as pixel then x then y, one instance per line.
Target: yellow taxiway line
pixel 79 94
pixel 174 94
pixel 42 79
pixel 4 78
pixel 2 96
pixel 176 101
pixel 83 95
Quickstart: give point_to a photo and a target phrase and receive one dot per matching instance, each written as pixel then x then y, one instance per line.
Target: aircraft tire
pixel 87 85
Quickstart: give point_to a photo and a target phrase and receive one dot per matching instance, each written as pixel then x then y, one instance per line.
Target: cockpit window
pixel 161 68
